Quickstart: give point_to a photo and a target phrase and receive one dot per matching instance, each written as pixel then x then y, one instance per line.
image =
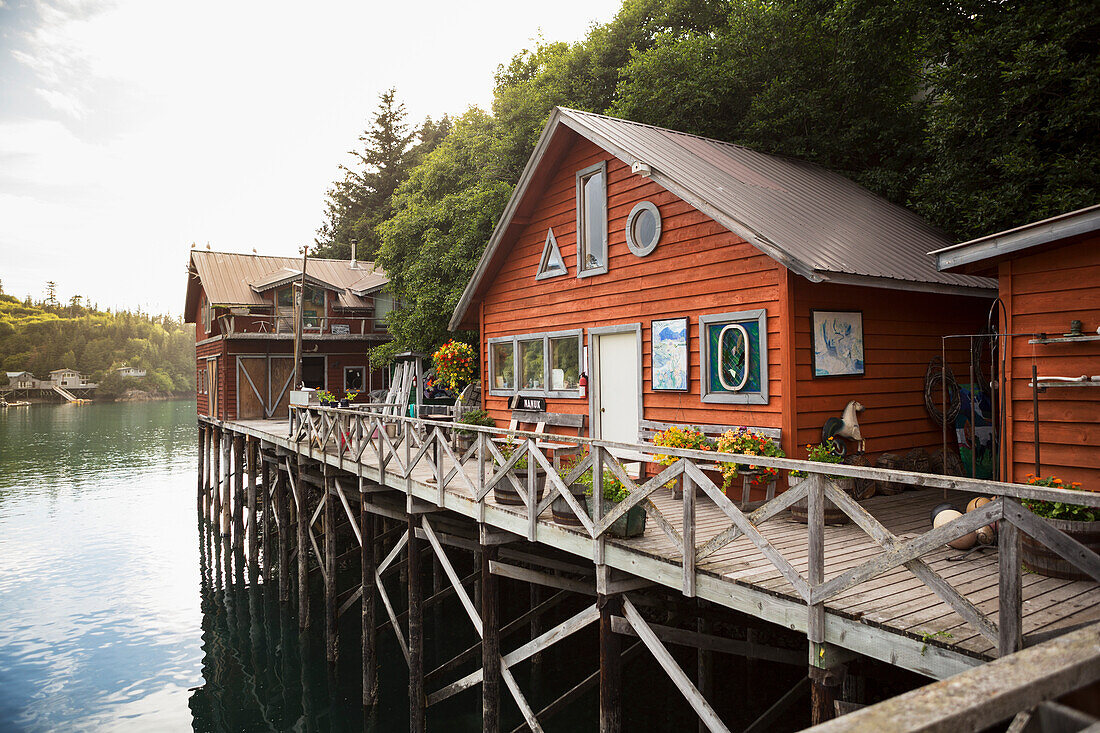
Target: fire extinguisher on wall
pixel 582 383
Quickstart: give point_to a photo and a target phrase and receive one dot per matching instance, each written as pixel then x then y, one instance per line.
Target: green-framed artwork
pixel 734 357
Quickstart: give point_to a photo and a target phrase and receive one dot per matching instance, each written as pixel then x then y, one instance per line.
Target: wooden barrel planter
pixel 1040 559
pixel 505 493
pixel 561 511
pixel 631 524
pixel 833 515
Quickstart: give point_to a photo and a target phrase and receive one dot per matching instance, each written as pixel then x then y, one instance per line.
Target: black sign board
pixel 533 404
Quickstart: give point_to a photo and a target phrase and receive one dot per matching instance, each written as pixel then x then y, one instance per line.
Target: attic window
pixel 551 264
pixel 592 220
pixel 643 228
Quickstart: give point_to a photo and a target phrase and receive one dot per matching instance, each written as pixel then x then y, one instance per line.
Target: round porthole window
pixel 643 228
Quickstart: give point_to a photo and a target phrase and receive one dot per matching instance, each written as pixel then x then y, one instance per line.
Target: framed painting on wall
pixel 837 343
pixel 669 347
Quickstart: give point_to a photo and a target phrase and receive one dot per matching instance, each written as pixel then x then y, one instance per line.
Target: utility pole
pixel 298 306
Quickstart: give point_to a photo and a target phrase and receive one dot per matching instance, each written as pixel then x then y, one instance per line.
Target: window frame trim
pixel 728 398
pixel 545 336
pixel 582 271
pixel 638 249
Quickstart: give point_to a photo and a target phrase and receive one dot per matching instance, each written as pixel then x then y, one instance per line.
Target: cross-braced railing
pixel 399 446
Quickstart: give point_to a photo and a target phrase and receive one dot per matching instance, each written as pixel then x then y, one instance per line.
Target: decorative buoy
pixel 987 535
pixel 946 513
pixel 976 503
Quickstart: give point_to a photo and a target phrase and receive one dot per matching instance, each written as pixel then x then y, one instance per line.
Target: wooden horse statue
pixel 845 426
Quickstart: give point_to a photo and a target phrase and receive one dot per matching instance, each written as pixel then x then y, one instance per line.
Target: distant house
pixel 67 378
pixel 129 371
pixel 23 380
pixel 243 309
pixel 697 282
pixel 1048 274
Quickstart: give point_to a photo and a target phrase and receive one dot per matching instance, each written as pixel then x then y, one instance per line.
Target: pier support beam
pixel 490 642
pixel 417 699
pixel 300 490
pixel 216 481
pixel 250 516
pixel 611 669
pixel 330 567
pixel 367 524
pixel 200 505
pixel 267 521
pixel 238 493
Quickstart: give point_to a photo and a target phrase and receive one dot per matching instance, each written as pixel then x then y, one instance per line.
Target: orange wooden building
pixel 1048 274
pixel 794 289
pixel 242 308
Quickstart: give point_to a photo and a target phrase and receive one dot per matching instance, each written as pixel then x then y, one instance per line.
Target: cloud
pixel 62 102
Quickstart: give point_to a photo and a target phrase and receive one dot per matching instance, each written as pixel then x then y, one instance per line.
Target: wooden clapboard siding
pixel 902 330
pixel 1043 291
pixel 698 268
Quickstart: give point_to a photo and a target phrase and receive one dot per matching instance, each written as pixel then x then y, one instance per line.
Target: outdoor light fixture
pixel 641 169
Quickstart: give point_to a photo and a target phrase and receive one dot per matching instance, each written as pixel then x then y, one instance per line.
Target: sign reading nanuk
pixel 534 404
pixel 341 329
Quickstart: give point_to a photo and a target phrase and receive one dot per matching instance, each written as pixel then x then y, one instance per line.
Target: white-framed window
pixel 542 364
pixel 592 220
pixel 733 356
pixel 383 306
pixel 354 379
pixel 313 309
pixel 204 307
pixel 643 228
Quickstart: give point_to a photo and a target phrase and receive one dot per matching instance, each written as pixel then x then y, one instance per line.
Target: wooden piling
pixel 417 700
pixel 611 672
pixel 704 664
pixel 490 642
pixel 200 504
pixel 250 513
pixel 216 482
pixel 267 522
pixel 330 567
pixel 301 524
pixel 282 511
pixel 238 493
pixel 367 524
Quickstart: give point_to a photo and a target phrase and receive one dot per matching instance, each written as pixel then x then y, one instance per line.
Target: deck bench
pixel 540 421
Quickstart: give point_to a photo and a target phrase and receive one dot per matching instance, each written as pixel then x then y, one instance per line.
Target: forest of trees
pixel 979 115
pixel 42 336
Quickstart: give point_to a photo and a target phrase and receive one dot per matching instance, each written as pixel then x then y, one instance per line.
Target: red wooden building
pixel 243 310
pixel 1048 274
pixel 799 290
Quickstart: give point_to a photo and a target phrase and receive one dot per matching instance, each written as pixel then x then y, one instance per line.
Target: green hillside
pixel 40 337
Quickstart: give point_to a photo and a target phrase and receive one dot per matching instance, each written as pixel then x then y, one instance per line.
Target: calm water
pixel 118 611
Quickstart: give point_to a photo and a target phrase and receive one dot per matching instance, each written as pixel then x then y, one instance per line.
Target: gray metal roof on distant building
pixel 232 279
pixel 817 223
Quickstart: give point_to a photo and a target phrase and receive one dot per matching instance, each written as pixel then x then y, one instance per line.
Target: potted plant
pixel 326 399
pixel 559 508
pixel 505 493
pixel 687 438
pixel 465 438
pixel 1082 523
pixel 631 524
pixel 746 442
pixel 821 453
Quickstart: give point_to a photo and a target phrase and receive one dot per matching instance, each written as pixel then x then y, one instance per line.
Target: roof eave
pixel 1071 224
pixel 889 283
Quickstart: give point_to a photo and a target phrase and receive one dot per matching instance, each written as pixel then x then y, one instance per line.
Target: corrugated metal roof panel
pixel 228 277
pixel 823 222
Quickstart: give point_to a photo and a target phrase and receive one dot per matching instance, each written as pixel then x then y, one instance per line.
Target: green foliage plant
pixel 1059 509
pixel 613 489
pixel 746 442
pixel 475 417
pixel 820 453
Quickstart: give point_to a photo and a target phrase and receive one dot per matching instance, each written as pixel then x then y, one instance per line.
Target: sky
pixel 130 129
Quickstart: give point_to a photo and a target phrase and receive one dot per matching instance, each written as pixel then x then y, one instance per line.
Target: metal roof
pixel 230 279
pixel 817 223
pixel 1063 226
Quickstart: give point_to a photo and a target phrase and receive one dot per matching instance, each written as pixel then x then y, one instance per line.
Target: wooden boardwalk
pixel 893 617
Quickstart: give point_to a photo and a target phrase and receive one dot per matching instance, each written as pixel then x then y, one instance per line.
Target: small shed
pixel 1048 277
pixel 697 282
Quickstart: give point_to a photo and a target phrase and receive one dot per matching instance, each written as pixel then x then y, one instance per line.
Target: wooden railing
pixel 401 445
pixel 252 323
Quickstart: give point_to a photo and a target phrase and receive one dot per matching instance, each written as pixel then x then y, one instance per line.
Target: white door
pixel 618 387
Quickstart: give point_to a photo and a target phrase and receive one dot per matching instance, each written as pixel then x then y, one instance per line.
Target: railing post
pixel 1010 592
pixel 689 535
pixel 481 476
pixel 820 693
pixel 532 484
pixel 597 499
